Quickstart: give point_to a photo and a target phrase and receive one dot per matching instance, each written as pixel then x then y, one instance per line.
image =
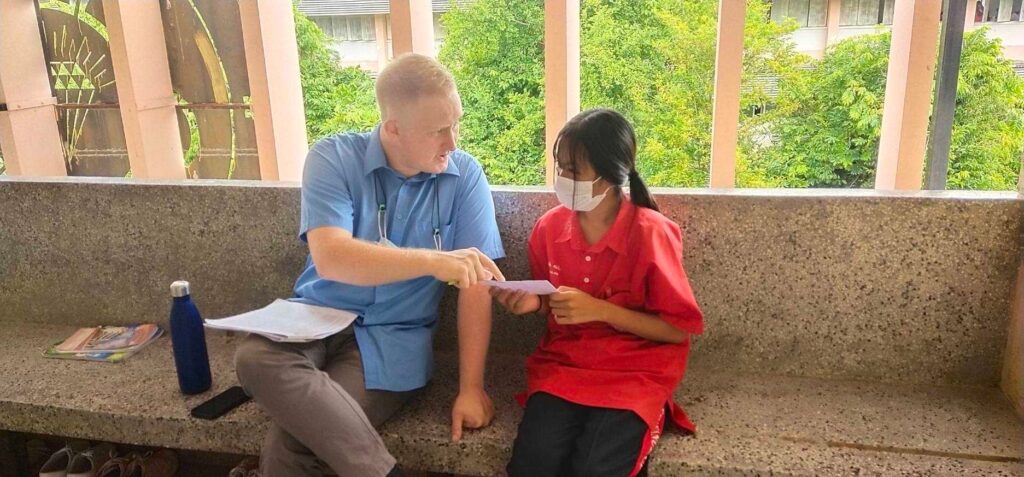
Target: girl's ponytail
pixel 639 193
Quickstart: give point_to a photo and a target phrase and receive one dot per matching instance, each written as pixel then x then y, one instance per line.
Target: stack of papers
pixel 287 321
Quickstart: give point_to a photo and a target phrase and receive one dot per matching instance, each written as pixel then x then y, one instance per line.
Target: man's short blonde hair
pixel 409 78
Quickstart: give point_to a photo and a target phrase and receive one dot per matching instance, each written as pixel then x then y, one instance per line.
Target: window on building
pixel 866 12
pixel 347 28
pixel 999 10
pixel 887 11
pixel 807 13
pixel 439 30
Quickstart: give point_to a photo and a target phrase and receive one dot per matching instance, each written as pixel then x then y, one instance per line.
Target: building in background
pixel 361 29
pixel 357 25
pixel 856 17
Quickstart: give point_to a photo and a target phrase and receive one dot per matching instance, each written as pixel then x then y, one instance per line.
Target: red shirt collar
pixel 615 237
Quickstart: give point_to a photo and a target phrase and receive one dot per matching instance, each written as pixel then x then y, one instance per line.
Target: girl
pixel 600 383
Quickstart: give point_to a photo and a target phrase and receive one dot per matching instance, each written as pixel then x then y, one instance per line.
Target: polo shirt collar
pixel 615 237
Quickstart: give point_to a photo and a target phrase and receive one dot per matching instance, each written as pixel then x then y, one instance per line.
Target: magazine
pixel 105 343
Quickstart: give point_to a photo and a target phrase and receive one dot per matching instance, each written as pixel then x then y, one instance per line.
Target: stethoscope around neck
pixel 382 211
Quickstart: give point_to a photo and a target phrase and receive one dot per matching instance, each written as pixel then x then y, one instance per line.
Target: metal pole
pixel 954 12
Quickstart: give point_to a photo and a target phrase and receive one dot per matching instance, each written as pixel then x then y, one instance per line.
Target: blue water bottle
pixel 189 341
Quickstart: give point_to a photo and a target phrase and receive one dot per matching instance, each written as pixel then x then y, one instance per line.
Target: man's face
pixel 427 132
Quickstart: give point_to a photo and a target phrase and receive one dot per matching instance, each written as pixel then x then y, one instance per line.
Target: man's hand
pixel 465 268
pixel 516 302
pixel 572 307
pixel 473 409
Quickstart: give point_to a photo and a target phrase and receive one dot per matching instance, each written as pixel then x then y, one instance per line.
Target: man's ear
pixel 390 127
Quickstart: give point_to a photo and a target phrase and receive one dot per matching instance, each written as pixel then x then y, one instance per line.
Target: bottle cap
pixel 179 289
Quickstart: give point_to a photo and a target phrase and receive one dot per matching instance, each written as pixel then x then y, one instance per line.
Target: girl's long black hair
pixel 606 139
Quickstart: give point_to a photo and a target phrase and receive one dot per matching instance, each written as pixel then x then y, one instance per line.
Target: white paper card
pixel 536 287
pixel 287 321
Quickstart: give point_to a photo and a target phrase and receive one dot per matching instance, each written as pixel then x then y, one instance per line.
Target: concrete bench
pixel 848 332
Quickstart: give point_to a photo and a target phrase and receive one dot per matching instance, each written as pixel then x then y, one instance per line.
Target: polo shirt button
pixel 587 258
pixel 586 280
pixel 400 217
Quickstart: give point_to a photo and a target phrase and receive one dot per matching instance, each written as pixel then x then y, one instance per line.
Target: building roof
pixel 321 8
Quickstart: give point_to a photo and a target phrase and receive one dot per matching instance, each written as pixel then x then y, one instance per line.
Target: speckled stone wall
pixel 1013 362
pixel 862 284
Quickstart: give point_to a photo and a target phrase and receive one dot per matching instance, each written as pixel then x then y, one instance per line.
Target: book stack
pixel 105 343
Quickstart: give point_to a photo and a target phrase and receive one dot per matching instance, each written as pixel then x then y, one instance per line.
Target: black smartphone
pixel 220 404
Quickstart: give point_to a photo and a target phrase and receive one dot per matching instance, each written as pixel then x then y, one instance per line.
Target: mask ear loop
pixel 574 168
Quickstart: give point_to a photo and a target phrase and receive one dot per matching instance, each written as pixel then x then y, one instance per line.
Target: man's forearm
pixel 474 315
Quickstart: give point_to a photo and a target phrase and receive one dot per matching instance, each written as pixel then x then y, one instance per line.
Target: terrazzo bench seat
pixel 848 332
pixel 748 424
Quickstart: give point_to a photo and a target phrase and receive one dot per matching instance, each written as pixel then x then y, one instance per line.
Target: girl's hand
pixel 572 307
pixel 516 302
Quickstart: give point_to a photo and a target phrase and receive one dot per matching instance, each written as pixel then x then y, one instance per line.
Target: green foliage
pixel 988 126
pixel 336 99
pixel 495 50
pixel 653 60
pixel 827 121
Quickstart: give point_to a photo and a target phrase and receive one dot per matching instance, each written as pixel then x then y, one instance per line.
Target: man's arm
pixel 342 258
pixel 473 407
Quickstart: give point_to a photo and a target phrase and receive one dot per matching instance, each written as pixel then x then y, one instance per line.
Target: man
pixel 391 217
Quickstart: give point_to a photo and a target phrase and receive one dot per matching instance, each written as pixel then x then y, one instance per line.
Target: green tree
pixel 495 50
pixel 652 60
pixel 336 99
pixel 827 124
pixel 988 126
pixel 673 42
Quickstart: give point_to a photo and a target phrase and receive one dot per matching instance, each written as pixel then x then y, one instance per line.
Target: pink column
pixel 908 91
pixel 272 60
pixel 139 53
pixel 380 27
pixel 28 129
pixel 412 27
pixel 726 115
pixel 561 71
pixel 972 6
pixel 832 21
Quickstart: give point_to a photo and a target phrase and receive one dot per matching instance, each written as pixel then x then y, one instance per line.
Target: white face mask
pixel 583 200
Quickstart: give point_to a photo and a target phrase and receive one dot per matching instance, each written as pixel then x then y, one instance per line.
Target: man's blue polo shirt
pixel 341 186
